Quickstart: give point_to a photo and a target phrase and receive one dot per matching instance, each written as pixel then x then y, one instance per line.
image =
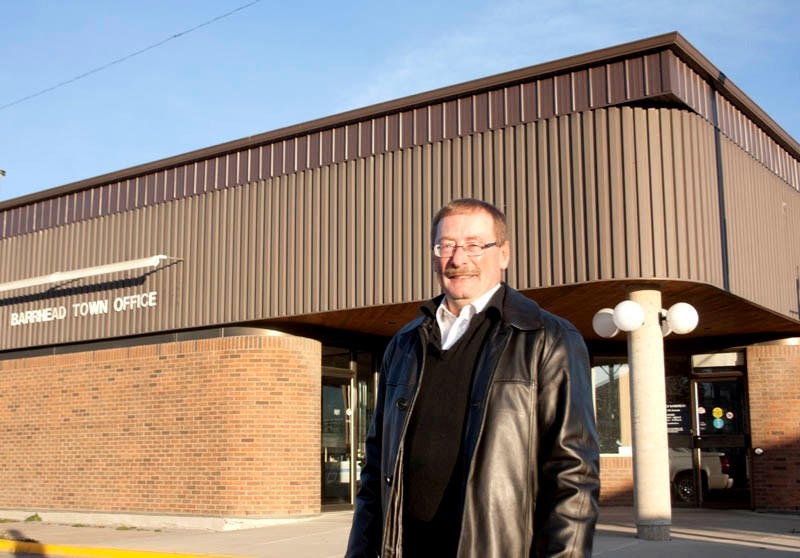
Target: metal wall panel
pixel 655 70
pixel 636 78
pixel 604 194
pixel 698 94
pixel 760 211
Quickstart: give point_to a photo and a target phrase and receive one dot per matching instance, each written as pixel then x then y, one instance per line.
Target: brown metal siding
pixel 606 83
pixel 764 248
pixel 605 194
pixel 698 94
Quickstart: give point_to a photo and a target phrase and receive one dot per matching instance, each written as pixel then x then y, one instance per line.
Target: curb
pixel 35 548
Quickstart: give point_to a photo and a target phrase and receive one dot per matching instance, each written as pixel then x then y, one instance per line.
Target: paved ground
pixel 705 533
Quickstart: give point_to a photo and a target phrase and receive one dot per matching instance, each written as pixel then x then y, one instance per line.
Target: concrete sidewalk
pixel 706 533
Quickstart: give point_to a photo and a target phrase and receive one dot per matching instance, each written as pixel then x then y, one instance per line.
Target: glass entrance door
pixel 337 432
pixel 349 382
pixel 721 441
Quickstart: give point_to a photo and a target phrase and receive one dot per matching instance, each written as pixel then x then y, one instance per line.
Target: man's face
pixel 464 278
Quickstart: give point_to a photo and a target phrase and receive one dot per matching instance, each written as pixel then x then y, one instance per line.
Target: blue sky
pixel 273 64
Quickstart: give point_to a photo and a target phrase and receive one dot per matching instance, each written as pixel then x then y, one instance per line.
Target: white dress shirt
pixel 452 327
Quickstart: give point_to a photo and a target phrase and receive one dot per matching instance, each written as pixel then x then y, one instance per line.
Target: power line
pixel 127 57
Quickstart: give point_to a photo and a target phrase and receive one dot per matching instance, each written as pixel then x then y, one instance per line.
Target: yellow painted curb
pixel 21 547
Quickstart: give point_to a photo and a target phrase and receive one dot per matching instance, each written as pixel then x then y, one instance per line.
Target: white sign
pixel 96 307
pixel 38 315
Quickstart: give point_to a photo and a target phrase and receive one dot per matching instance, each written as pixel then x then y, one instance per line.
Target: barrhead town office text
pixel 97 307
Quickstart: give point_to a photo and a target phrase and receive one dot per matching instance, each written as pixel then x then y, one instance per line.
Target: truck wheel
pixel 683 487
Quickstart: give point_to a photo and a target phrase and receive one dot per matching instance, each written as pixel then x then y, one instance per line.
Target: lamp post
pixel 646 323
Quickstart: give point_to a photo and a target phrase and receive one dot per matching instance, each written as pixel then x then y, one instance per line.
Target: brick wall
pixel 220 427
pixel 616 480
pixel 774 388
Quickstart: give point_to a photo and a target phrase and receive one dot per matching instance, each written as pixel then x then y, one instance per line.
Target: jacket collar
pixel 520 311
pixel 517 310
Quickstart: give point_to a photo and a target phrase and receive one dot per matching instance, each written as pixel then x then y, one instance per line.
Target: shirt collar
pixel 475 307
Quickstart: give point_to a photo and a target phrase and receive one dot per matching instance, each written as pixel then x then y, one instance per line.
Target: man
pixel 483 443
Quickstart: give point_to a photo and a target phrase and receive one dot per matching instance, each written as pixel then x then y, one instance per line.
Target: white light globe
pixel 682 317
pixel 603 323
pixel 628 315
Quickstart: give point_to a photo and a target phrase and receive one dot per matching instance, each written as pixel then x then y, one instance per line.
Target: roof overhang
pixel 726 320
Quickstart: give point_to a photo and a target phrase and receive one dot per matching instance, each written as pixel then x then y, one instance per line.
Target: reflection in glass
pixel 335 357
pixel 719 407
pixel 612 407
pixel 336 421
pixel 365 406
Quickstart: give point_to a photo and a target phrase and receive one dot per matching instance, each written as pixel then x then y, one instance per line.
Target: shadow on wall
pixel 64 290
pixel 774 388
pixel 773 473
pixel 775 476
pixel 616 495
pixel 616 480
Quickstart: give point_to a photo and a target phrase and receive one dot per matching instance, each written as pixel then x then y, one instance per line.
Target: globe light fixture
pixel 628 315
pixel 603 323
pixel 682 318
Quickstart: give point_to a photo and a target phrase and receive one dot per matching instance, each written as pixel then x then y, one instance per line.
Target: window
pixel 612 407
pixel 366 385
pixel 336 357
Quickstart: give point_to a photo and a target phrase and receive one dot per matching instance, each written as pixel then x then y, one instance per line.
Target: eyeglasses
pixel 471 249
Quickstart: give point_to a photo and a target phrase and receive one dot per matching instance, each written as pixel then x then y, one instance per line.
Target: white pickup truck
pixel 714 467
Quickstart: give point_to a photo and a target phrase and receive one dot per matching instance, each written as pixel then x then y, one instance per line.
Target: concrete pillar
pixel 651 487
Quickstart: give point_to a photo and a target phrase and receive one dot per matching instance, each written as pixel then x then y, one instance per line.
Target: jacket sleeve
pixel 568 456
pixel 366 532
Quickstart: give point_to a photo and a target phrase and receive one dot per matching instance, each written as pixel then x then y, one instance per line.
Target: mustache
pixel 453 273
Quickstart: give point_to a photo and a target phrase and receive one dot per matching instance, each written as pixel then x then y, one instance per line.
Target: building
pixel 209 353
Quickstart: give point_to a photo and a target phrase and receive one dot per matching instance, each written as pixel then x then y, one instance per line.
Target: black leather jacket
pixel 529 439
